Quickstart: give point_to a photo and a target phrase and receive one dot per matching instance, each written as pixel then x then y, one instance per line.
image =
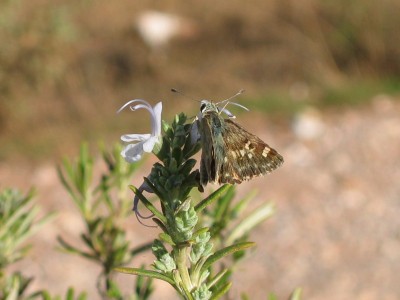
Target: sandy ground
pixel 335 233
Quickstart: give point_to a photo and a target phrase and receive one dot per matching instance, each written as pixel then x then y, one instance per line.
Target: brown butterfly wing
pixel 245 155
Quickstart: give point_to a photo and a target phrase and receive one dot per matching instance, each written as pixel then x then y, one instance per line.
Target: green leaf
pixel 257 216
pixel 216 279
pixel 201 293
pixel 137 250
pixel 82 296
pixel 46 295
pixel 244 297
pixel 166 238
pixel 226 251
pixel 187 166
pixel 242 204
pixel 296 295
pixel 70 294
pixel 165 263
pixel 67 247
pixel 200 232
pixel 145 273
pixel 77 180
pixel 158 249
pixel 17 223
pixel 221 213
pixel 153 188
pixel 272 296
pixel 144 287
pixel 221 291
pixel 160 224
pixel 64 182
pixel 186 292
pixel 165 126
pixel 213 197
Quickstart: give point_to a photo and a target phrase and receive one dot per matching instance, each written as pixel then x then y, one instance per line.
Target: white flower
pixel 144 142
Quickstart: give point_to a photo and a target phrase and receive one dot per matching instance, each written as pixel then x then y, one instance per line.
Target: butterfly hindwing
pixel 246 155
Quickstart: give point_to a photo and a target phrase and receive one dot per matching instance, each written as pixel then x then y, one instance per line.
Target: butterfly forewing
pixel 212 127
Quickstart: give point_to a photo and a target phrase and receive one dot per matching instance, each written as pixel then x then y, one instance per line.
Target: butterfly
pixel 231 154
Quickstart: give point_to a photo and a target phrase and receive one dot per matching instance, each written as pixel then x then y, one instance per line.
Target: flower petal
pixel 132 101
pixel 132 152
pixel 195 133
pixel 145 142
pixel 135 137
pixel 157 109
pixel 149 144
pixel 139 106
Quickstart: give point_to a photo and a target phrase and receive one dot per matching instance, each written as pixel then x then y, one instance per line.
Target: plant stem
pixel 182 267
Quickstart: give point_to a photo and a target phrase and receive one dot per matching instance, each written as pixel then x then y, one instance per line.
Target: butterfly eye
pixel 202 107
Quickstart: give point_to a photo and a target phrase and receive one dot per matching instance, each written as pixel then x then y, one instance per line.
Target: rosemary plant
pixel 185 252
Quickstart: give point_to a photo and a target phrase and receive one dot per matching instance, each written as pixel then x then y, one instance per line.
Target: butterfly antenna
pixel 234 103
pixel 234 96
pixel 191 98
pixel 179 92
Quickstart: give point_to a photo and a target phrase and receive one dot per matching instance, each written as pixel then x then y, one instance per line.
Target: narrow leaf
pixel 166 238
pixel 146 273
pixel 213 197
pixel 220 292
pixel 215 280
pixel 222 208
pixel 160 224
pixel 186 291
pixel 272 296
pixel 70 294
pixel 71 249
pixel 242 204
pixel 140 249
pixel 247 224
pixel 226 251
pixel 296 295
pixel 153 188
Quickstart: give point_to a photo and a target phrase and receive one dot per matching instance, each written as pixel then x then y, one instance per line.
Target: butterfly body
pixel 231 154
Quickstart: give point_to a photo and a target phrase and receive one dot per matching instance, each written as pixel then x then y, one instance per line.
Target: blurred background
pixel 322 84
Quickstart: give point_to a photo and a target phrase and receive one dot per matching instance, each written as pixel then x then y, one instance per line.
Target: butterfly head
pixel 208 106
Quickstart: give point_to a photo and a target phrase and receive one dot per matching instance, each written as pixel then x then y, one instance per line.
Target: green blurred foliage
pixel 104 205
pixel 18 221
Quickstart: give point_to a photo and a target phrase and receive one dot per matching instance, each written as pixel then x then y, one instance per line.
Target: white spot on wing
pixel 265 152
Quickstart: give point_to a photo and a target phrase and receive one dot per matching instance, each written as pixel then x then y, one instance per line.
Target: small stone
pixel 308 125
